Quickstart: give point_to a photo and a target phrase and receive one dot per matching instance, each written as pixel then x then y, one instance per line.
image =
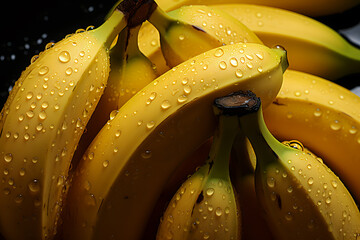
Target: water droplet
pixel 271 182
pixel 234 62
pixel 249 65
pixel 218 211
pixel 210 192
pixel 297 93
pixel 118 133
pixel 30 114
pixel 335 125
pixel 290 189
pixel 43 70
pixel 219 52
pixel 182 99
pixel 64 57
pixel 49 45
pixel 105 163
pixel 334 184
pixel 310 181
pixel 21 118
pixel 146 154
pixel 288 216
pixel 187 89
pixel 260 56
pixel 91 200
pixel 317 112
pixel 34 58
pixel 22 172
pixel 8 157
pixel 113 114
pixel 165 104
pixel 34 186
pixel 42 115
pixel 150 125
pixel 250 57
pixel 238 73
pixel 18 199
pixel 222 65
pixel 68 71
pixel 260 69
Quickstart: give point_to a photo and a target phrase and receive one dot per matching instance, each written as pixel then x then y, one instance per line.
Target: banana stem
pixel 111 28
pixel 133 43
pixel 219 157
pixel 247 107
pixel 160 19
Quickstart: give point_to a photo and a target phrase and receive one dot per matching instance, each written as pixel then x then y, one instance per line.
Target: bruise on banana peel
pixel 127 165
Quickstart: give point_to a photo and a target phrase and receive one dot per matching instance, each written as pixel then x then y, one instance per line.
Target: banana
pixel 42 122
pixel 312 46
pixel 310 8
pixel 242 174
pixel 325 117
pixel 302 197
pixel 117 184
pixel 130 71
pixel 191 30
pixel 206 206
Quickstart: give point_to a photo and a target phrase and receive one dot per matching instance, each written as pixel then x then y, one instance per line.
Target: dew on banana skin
pixel 222 65
pixel 64 57
pixel 43 70
pixel 335 125
pixel 34 186
pixel 8 157
pixel 271 182
pixel 150 125
pixel 166 104
pixel 219 52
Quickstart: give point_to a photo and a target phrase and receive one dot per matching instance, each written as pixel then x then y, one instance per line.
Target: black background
pixel 26 27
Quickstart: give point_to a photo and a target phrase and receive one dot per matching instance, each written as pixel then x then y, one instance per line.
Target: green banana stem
pixel 219 157
pixel 126 13
pixel 161 19
pixel 242 158
pixel 247 107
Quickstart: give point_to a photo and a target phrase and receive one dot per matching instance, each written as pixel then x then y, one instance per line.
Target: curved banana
pixel 41 124
pixel 302 197
pixel 325 117
pixel 130 71
pixel 128 163
pixel 206 206
pixel 191 30
pixel 312 46
pixel 307 7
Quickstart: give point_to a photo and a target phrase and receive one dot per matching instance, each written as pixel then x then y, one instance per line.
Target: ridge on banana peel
pixel 191 30
pixel 130 71
pixel 325 117
pixel 302 197
pixel 306 7
pixel 206 206
pixel 42 121
pixel 125 168
pixel 312 46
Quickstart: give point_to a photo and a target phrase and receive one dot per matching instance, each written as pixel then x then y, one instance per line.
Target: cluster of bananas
pixel 151 126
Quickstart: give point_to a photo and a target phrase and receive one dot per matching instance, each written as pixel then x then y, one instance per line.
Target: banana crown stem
pixel 247 107
pixel 127 13
pixel 219 157
pixel 161 19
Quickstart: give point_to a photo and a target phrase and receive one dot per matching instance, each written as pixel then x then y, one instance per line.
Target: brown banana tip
pixel 238 103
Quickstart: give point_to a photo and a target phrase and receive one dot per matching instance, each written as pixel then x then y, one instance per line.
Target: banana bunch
pixel 43 120
pixel 312 46
pixel 123 131
pixel 302 197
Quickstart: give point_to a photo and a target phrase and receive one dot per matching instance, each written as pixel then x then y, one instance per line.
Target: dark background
pixel 26 27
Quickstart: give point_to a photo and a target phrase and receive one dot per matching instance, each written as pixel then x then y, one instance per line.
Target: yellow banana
pixel 42 122
pixel 191 30
pixel 325 117
pixel 310 8
pixel 125 168
pixel 312 46
pixel 205 206
pixel 130 71
pixel 302 197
